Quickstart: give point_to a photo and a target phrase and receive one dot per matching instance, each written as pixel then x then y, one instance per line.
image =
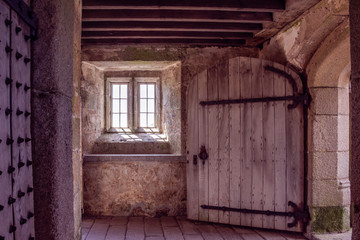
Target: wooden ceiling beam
pixel 244 5
pixel 188 42
pixel 172 26
pixel 167 34
pixel 174 15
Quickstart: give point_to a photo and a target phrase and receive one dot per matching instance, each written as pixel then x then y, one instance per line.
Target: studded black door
pixel 16 192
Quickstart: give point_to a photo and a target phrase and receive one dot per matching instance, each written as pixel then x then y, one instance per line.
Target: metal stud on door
pixel 17 26
pixel 6 215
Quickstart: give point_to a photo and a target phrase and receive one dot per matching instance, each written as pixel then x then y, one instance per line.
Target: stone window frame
pixel 133 104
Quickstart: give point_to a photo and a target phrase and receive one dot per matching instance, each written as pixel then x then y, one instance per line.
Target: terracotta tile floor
pixel 171 228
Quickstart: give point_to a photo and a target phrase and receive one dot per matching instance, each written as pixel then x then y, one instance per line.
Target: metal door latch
pixel 203 155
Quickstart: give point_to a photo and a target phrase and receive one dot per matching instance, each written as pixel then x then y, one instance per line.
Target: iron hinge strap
pixel 297 213
pixel 296 100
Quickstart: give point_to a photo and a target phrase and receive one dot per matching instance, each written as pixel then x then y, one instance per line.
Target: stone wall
pixel 97 140
pixel 135 185
pixel 193 61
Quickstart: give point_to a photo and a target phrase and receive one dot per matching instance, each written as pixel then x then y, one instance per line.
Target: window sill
pixel 134 157
pixel 129 137
pixel 132 143
pixel 137 131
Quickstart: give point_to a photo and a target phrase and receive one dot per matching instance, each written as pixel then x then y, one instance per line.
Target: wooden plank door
pixel 16 178
pixel 21 149
pixel 6 213
pixel 255 149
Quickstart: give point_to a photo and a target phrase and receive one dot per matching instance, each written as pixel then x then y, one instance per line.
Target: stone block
pixel 343 164
pixel 343 101
pixel 323 133
pixel 326 193
pixel 325 101
pixel 343 129
pixel 88 72
pixel 324 165
pixel 77 171
pixel 77 215
pixel 346 195
pixel 76 137
pixel 328 133
pixel 330 101
pixel 330 219
pixel 76 104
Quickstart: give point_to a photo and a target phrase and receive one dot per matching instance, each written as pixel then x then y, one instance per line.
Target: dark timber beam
pixel 174 15
pixel 245 5
pixel 169 34
pixel 174 26
pixel 191 42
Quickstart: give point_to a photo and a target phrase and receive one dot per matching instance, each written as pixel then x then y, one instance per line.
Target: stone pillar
pixel 355 113
pixel 329 186
pixel 52 91
pixel 76 122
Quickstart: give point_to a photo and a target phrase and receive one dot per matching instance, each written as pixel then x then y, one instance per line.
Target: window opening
pixel 147 105
pixel 119 102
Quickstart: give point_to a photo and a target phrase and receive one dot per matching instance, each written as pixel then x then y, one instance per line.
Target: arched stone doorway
pixel 328 135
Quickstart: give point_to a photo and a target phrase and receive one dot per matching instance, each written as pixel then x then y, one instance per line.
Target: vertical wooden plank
pixel 246 136
pixel 224 142
pixel 280 149
pixel 269 135
pixel 257 141
pixel 213 114
pixel 203 141
pixel 28 184
pixel 20 74
pixel 295 153
pixel 235 140
pixel 5 149
pixel 192 143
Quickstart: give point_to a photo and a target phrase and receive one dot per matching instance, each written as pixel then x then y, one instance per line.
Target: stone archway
pixel 328 135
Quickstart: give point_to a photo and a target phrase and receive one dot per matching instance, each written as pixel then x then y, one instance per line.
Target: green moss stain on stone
pixel 330 219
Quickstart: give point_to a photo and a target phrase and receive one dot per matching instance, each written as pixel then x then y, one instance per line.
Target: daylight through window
pixel 147 104
pixel 133 104
pixel 119 102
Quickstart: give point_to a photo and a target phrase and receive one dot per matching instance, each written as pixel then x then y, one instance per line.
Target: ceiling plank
pixel 175 26
pixel 188 42
pixel 245 5
pixel 174 34
pixel 174 15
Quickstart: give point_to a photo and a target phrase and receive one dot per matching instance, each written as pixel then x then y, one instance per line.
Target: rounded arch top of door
pixel 248 115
